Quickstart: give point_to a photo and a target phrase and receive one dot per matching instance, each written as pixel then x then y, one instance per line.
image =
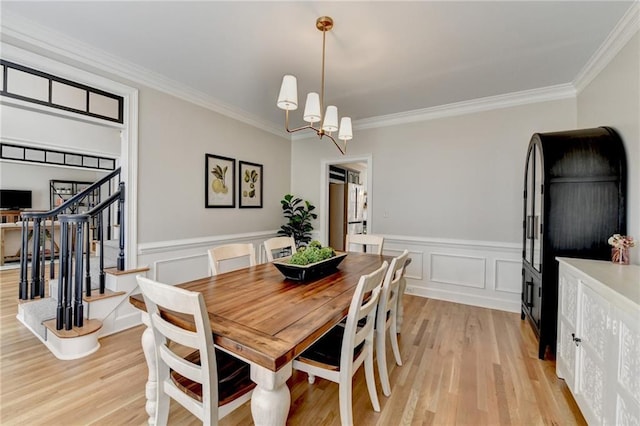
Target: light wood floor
pixel 462 366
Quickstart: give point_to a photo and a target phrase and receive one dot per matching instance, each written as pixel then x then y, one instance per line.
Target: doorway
pixel 339 177
pixel 128 130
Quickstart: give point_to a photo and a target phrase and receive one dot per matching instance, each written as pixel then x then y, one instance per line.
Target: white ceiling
pixel 382 57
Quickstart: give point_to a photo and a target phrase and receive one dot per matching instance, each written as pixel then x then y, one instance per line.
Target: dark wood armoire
pixel 574 200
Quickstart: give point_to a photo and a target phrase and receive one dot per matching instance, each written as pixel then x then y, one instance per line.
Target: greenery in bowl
pixel 313 253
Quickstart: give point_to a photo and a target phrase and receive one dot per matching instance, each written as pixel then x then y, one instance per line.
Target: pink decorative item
pixel 620 250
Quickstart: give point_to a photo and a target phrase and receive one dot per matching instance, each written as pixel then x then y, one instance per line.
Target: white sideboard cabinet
pixel 598 338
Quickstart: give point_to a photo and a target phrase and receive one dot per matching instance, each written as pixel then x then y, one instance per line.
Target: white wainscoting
pixel 173 262
pixel 479 273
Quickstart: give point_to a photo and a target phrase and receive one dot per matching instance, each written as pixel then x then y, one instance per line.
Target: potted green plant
pixel 299 215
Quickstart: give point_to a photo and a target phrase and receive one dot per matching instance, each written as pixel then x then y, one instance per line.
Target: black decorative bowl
pixel 310 271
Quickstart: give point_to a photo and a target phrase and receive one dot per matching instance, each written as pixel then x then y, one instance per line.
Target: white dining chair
pixel 227 253
pixel 209 383
pixel 287 244
pixel 386 319
pixel 338 354
pixel 364 242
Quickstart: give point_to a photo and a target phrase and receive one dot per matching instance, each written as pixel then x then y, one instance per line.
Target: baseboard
pixel 465 299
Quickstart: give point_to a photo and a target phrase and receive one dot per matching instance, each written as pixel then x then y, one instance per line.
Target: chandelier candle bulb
pixel 288 98
pixel 312 108
pixel 330 119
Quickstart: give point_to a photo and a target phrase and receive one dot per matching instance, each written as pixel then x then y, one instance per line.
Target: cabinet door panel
pixel 627 383
pixel 537 210
pixel 590 396
pixel 567 319
pixel 594 311
pixel 593 329
pixel 528 214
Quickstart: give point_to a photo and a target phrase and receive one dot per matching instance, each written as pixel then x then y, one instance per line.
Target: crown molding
pixel 544 94
pixel 26 31
pixel 626 28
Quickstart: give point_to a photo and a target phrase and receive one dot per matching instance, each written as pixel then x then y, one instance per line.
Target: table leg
pixel 271 399
pixel 151 388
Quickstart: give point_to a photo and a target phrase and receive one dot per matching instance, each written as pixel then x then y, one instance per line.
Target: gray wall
pixel 458 177
pixel 613 99
pixel 174 137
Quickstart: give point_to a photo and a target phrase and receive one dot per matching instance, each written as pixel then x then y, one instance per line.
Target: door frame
pixel 323 232
pixel 128 160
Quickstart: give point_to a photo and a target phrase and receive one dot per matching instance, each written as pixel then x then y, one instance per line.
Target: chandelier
pixel 288 101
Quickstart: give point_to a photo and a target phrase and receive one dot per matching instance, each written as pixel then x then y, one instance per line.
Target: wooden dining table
pixel 267 320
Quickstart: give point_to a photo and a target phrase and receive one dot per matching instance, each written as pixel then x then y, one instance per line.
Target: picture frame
pixel 250 185
pixel 219 181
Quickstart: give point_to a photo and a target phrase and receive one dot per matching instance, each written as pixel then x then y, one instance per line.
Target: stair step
pixel 114 271
pixel 36 312
pixel 95 295
pixel 89 326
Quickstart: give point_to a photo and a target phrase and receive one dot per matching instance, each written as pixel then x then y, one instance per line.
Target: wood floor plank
pixel 462 365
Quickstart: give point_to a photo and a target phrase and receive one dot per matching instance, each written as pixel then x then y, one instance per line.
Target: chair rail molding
pixel 176 261
pixel 479 273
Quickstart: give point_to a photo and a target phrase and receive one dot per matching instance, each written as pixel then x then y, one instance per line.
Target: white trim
pixel 465 299
pixel 174 260
pixel 16 26
pixel 481 280
pixel 496 282
pixel 543 94
pixel 452 242
pixel 129 132
pixel 191 243
pixel 626 28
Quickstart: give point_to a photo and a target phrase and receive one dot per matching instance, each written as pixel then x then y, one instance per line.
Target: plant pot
pixel 311 271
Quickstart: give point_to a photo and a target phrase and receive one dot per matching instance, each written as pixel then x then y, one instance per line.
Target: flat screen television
pixel 15 199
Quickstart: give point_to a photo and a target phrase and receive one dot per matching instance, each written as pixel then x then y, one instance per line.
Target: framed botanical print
pixel 250 185
pixel 219 181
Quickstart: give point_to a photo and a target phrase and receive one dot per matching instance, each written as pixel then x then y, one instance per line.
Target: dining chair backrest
pixel 386 318
pixel 364 242
pixel 354 341
pixel 284 245
pixel 361 317
pixel 208 382
pixel 228 252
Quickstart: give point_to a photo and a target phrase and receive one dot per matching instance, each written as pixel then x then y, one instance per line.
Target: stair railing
pixel 104 201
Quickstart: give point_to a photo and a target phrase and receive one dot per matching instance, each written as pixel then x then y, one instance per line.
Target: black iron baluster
pixel 87 277
pixel 101 258
pixel 122 227
pixel 52 268
pixel 62 280
pixel 82 221
pixel 43 257
pixel 68 310
pixel 23 292
pixel 35 261
pixel 109 213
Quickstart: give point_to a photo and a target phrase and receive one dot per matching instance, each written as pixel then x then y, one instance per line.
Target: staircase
pixel 104 314
pixel 87 297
